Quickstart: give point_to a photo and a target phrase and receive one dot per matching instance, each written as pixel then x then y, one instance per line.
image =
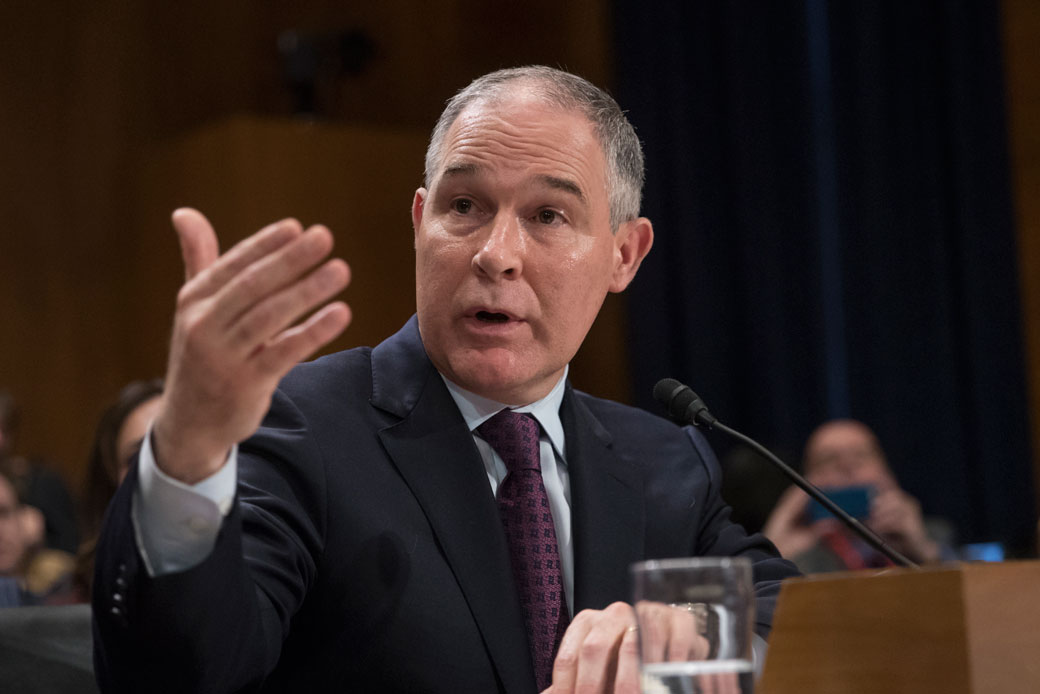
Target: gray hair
pixel 616 135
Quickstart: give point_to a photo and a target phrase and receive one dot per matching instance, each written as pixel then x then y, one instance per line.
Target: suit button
pixel 120 582
pixel 117 597
pixel 119 615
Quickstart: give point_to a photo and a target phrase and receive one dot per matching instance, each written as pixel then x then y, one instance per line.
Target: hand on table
pixel 599 653
pixel 234 335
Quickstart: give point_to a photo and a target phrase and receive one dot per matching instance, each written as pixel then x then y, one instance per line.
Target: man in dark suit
pixel 354 541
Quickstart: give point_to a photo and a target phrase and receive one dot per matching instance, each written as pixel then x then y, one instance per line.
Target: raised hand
pixel 896 516
pixel 235 334
pixel 787 527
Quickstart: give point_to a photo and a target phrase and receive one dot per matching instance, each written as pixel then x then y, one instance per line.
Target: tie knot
pixel 514 437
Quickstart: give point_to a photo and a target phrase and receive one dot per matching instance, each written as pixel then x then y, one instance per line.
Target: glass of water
pixel 695 617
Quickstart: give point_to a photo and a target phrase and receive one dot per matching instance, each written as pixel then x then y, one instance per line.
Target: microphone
pixel 686 407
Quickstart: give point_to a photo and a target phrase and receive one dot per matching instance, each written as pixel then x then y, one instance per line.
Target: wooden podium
pixel 955 629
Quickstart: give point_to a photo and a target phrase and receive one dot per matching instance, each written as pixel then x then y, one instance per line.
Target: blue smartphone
pixel 855 501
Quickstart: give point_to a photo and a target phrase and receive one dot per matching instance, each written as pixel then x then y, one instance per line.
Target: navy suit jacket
pixel 365 553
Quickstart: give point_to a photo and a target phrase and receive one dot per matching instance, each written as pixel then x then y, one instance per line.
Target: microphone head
pixel 664 390
pixel 675 396
pixel 682 403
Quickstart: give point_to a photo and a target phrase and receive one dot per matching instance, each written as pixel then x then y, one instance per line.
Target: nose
pixel 500 255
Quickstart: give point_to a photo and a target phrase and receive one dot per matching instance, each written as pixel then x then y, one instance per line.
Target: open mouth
pixel 489 317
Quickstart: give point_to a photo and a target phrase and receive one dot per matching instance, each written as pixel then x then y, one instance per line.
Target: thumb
pixel 793 502
pixel 198 241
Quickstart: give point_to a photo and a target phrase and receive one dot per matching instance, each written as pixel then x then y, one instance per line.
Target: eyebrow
pixel 565 185
pixel 555 182
pixel 459 170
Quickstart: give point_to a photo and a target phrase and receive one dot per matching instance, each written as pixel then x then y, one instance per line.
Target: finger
pixel 198 241
pixel 882 501
pixel 597 658
pixel 683 636
pixel 242 255
pixel 626 681
pixel 792 505
pixel 277 312
pixel 720 683
pixel 587 658
pixel 887 517
pixel 890 516
pixel 271 273
pixel 653 629
pixel 301 341
pixel 724 683
pixel 565 667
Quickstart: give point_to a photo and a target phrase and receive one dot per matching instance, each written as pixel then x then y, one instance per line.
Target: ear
pixel 418 203
pixel 631 243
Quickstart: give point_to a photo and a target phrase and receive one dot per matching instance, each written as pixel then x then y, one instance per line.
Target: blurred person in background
pixel 12 544
pixel 118 437
pixel 48 510
pixel 30 574
pixel 844 458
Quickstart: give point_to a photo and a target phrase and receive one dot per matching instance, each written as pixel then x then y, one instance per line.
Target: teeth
pixel 492 317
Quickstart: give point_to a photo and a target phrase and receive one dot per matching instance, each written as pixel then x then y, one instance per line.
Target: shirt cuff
pixel 176 524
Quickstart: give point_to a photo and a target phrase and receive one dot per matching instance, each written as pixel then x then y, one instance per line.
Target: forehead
pixel 522 134
pixel 837 439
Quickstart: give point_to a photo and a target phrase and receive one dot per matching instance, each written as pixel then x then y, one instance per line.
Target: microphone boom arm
pixel 686 407
pixel 812 490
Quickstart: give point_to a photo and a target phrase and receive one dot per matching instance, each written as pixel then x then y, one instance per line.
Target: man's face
pixel 843 454
pixel 514 250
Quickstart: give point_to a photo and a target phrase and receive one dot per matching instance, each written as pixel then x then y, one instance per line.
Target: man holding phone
pixel 844 458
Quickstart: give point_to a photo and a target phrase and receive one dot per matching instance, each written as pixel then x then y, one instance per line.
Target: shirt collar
pixel 477 409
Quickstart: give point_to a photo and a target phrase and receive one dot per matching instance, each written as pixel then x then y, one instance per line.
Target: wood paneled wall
pixel 93 96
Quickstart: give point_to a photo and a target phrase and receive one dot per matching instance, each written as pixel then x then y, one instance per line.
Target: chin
pixel 495 378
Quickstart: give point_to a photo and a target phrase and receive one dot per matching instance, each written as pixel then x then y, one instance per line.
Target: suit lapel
pixel 606 509
pixel 435 454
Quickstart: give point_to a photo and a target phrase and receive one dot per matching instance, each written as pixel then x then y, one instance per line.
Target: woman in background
pixel 118 437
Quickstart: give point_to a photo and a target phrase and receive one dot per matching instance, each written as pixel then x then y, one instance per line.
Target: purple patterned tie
pixel 528 523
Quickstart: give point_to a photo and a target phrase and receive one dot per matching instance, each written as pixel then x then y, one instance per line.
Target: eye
pixel 548 217
pixel 462 205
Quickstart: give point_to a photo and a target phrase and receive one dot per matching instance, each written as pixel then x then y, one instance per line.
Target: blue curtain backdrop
pixel 834 233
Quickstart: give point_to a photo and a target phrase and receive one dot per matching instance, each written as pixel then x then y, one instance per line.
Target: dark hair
pixel 103 466
pixel 103 474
